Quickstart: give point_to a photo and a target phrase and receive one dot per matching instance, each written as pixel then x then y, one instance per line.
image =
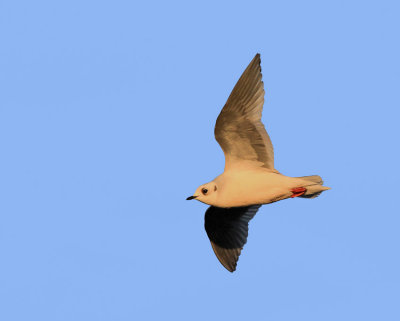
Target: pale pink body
pixel 255 186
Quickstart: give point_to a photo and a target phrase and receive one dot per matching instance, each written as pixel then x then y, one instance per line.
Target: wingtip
pixel 256 60
pixel 230 269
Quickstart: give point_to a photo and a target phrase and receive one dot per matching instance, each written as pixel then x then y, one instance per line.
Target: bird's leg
pixel 298 191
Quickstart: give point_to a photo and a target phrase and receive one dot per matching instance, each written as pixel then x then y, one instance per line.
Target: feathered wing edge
pixel 227 229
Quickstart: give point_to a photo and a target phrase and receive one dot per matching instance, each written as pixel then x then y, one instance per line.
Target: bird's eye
pixel 204 191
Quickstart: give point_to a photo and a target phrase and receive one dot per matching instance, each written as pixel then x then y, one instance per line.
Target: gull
pixel 249 179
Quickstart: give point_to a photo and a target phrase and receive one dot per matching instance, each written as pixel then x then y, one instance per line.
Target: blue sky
pixel 107 111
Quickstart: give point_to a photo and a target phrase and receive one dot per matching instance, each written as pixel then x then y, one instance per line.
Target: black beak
pixel 191 197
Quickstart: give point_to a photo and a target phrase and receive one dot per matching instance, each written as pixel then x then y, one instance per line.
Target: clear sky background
pixel 107 110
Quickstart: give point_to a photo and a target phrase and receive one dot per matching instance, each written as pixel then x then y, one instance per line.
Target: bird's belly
pixel 254 189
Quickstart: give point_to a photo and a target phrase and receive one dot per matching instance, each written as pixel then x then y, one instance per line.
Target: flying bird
pixel 249 179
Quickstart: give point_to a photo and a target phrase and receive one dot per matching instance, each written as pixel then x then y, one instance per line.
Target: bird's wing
pixel 239 130
pixel 227 229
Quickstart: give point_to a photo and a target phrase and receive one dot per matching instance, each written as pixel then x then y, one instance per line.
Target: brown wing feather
pixel 238 129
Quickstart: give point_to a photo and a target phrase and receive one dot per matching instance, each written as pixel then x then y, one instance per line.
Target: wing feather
pixel 227 229
pixel 238 129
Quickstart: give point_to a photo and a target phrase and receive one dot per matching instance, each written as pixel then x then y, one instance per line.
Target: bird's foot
pixel 298 191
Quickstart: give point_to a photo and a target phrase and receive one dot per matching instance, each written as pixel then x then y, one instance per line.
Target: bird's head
pixel 206 193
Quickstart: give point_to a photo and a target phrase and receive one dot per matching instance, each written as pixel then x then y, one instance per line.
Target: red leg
pixel 298 191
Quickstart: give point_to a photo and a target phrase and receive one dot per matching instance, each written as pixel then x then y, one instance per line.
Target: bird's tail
pixel 313 190
pixel 313 178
